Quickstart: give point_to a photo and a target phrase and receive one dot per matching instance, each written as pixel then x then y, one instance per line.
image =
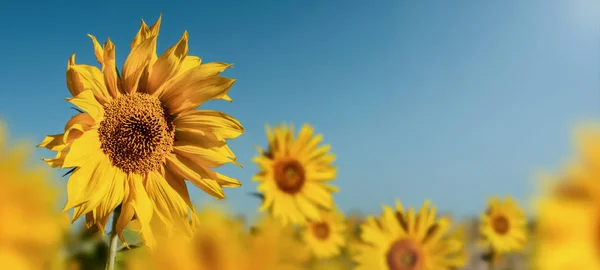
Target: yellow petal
pixel 98 51
pixel 169 206
pixel 208 153
pixel 127 213
pixel 86 101
pixel 178 184
pixel 82 149
pixel 193 88
pixel 141 203
pixel 56 161
pixel 53 142
pixel 81 78
pixel 168 64
pixel 109 69
pixel 97 186
pixel 84 119
pixel 73 133
pixel 219 125
pixel 114 196
pixel 185 169
pixel 142 34
pixel 318 195
pixel 222 180
pixel 78 182
pixel 188 63
pixel 137 63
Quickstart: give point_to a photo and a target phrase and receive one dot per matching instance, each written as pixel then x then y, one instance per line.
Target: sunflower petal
pixel 86 101
pixel 220 125
pixel 168 64
pixel 137 63
pixel 109 69
pixel 178 184
pixel 82 149
pixel 188 63
pixel 191 89
pixel 187 170
pixel 81 78
pixel 98 51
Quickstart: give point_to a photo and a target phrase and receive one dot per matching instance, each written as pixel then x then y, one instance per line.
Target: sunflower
pixel 275 246
pixel 400 240
pixel 458 233
pixel 568 216
pixel 293 175
pixel 504 226
pixel 352 236
pixel 138 135
pixel 31 229
pixel 216 245
pixel 326 237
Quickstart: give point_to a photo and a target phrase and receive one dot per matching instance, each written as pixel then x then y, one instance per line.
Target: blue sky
pixel 451 101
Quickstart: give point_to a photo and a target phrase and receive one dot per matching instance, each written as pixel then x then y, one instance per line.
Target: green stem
pixel 113 241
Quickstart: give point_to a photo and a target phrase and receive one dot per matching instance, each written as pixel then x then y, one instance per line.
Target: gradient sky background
pixel 452 101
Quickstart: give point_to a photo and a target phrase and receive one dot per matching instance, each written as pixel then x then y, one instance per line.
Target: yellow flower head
pixel 568 220
pixel 216 245
pixel 275 246
pixel 504 226
pixel 327 236
pixel 139 135
pixel 30 228
pixel 400 240
pixel 293 175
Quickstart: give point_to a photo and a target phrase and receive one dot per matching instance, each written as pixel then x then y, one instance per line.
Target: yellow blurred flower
pixel 138 135
pixel 216 245
pixel 401 240
pixel 458 233
pixel 352 235
pixel 504 225
pixel 338 263
pixel 326 237
pixel 294 173
pixel 30 229
pixel 568 224
pixel 275 246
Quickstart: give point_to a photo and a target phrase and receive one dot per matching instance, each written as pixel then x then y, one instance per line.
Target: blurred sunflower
pixel 458 233
pixel 275 246
pixel 293 174
pixel 401 240
pixel 568 225
pixel 504 226
pixel 31 229
pixel 139 135
pixel 326 237
pixel 216 245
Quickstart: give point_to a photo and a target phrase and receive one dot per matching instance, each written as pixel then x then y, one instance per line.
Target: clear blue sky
pixel 452 101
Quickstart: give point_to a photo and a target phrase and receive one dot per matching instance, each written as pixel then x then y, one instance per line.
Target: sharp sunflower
pixel 139 135
pixel 327 236
pixel 401 240
pixel 294 173
pixel 504 225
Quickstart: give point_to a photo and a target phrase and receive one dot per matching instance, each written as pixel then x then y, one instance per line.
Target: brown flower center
pixel 321 230
pixel 289 175
pixel 136 133
pixel 501 224
pixel 403 255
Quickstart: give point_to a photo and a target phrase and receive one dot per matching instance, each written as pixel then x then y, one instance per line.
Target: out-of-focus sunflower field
pixel 140 139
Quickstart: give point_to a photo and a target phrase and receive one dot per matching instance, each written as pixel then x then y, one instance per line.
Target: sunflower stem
pixel 113 240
